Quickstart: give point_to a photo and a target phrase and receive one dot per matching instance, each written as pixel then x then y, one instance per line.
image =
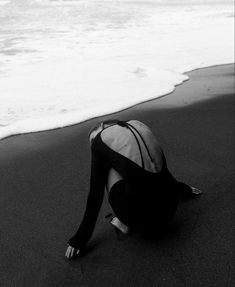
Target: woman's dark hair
pixel 108 122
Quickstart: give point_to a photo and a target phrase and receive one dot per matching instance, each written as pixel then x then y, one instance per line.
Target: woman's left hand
pixel 71 251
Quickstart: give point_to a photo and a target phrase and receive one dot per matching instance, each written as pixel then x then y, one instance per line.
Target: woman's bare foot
pixel 119 225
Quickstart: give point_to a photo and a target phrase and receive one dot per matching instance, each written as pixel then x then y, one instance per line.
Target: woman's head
pixel 99 127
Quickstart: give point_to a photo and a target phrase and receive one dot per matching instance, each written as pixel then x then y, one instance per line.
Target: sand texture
pixel 44 181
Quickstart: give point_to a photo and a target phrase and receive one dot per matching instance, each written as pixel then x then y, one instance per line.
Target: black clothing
pixel 140 198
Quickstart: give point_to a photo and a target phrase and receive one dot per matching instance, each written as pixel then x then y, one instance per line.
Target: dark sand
pixel 44 184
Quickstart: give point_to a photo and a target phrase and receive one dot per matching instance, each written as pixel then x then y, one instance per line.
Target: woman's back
pixel 136 142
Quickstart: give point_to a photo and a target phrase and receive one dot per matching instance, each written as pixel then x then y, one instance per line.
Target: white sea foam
pixel 62 62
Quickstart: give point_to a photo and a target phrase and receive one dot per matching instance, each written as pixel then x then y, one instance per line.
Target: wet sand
pixel 44 181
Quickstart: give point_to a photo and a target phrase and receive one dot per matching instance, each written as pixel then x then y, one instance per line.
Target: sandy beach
pixel 44 181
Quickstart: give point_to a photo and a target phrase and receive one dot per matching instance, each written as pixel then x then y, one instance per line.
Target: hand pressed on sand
pixel 71 252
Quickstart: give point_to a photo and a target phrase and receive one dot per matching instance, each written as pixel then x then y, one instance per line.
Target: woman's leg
pixel 113 177
pixel 143 205
pixel 120 202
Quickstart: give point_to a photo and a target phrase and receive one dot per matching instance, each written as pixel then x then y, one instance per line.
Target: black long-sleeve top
pixel 103 158
pixel 95 198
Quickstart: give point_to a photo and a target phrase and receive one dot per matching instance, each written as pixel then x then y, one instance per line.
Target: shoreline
pixel 44 181
pixel 174 102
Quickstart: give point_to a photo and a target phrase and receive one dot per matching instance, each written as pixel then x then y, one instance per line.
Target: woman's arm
pixel 95 198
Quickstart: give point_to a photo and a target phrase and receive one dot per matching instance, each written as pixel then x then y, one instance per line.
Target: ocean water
pixel 63 62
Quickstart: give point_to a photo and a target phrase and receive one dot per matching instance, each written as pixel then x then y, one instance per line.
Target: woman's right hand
pixel 71 252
